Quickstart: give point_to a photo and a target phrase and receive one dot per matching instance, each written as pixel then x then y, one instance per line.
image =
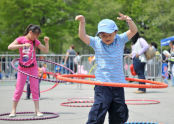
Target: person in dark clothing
pixel 69 59
pixel 3 63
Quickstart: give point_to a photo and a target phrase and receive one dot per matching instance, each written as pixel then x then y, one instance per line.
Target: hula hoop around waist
pixel 49 80
pixel 68 77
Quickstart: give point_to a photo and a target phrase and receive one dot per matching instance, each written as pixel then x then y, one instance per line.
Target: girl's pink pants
pixel 21 80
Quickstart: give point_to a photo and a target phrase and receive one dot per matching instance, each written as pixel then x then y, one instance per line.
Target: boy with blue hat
pixel 108 47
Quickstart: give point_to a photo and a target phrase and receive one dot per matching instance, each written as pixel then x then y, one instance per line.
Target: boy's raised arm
pixel 82 31
pixel 132 27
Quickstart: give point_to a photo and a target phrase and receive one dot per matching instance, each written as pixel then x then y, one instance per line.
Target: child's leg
pixel 139 69
pixel 34 84
pixel 34 87
pixel 14 106
pixel 118 111
pixel 36 105
pixel 101 105
pixel 21 79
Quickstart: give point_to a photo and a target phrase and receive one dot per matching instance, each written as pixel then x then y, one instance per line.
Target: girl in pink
pixel 27 63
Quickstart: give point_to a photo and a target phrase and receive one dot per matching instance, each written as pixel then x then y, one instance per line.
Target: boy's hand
pixel 124 17
pixel 80 18
pixel 132 27
pixel 46 39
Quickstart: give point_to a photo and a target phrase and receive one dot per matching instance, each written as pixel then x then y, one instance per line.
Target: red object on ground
pixel 132 70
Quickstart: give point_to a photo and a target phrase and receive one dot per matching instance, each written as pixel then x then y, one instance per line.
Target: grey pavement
pixel 51 100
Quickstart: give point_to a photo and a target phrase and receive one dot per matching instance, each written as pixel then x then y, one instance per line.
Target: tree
pixel 154 19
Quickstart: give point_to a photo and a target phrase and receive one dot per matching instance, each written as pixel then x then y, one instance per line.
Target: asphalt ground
pixel 50 102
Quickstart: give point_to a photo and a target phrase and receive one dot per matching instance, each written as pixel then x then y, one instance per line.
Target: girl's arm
pixel 82 31
pixel 15 45
pixel 45 48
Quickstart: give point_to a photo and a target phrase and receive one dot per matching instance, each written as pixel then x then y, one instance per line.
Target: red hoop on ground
pixel 141 122
pixel 128 102
pixel 142 102
pixel 68 78
pixel 68 104
pixel 80 98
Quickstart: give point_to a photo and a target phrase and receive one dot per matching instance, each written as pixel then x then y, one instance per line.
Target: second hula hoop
pixel 49 80
pixel 51 73
pixel 69 78
pixel 128 102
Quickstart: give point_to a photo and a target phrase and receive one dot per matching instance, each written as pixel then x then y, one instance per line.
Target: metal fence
pixel 84 66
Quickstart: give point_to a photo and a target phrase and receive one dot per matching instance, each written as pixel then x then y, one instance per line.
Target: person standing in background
pixel 77 61
pixel 139 47
pixel 69 59
pixel 165 76
pixel 170 57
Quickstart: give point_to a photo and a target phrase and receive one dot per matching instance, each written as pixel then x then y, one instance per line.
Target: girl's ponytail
pixel 28 29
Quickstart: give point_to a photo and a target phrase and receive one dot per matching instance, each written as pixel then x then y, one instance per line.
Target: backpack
pixel 150 52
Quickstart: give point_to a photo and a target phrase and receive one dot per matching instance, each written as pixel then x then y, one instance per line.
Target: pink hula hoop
pixel 54 81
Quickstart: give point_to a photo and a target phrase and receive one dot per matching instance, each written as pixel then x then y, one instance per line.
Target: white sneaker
pixel 12 115
pixel 39 114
